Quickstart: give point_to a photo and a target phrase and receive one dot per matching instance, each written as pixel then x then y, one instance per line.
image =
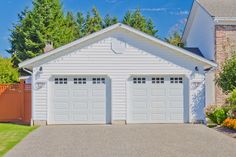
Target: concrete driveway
pixel 157 140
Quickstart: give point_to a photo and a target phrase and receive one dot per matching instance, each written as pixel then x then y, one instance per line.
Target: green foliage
pixel 128 18
pixel 8 74
pixel 175 39
pixel 230 110
pixel 11 134
pixel 209 110
pixel 138 21
pixel 219 115
pixel 108 21
pixel 93 23
pixel 80 24
pixel 227 77
pixel 232 98
pixel 44 23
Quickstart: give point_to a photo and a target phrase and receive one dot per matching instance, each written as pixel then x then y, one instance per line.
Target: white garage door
pixel 156 100
pixel 78 100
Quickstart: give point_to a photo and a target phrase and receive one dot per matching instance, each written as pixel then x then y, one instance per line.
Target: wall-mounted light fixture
pixel 40 69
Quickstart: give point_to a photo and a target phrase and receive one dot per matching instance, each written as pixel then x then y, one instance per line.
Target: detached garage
pixel 118 74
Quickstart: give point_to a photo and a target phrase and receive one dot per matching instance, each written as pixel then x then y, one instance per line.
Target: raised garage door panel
pixel 78 100
pixel 156 100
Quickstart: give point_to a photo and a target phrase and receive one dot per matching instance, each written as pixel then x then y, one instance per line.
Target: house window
pixel 99 80
pixel 80 81
pixel 139 80
pixel 60 80
pixel 158 80
pixel 176 80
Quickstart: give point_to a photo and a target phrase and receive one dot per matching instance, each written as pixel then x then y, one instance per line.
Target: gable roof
pixel 29 62
pixel 219 8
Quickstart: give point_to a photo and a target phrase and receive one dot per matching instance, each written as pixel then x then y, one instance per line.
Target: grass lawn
pixel 11 134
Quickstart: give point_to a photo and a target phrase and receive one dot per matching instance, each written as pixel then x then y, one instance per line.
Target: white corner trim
pixel 29 62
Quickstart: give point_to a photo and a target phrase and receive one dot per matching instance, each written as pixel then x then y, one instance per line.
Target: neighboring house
pixel 118 75
pixel 211 27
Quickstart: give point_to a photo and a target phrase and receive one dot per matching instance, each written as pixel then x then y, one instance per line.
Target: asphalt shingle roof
pixel 219 8
pixel 194 50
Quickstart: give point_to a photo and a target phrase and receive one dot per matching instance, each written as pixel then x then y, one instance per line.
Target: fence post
pixel 22 103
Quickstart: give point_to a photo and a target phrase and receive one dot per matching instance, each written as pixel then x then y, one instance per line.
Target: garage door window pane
pixel 176 80
pixel 60 80
pixel 79 80
pixel 158 80
pixel 99 81
pixel 139 80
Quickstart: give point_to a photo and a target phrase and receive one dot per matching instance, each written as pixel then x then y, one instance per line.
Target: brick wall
pixel 225 45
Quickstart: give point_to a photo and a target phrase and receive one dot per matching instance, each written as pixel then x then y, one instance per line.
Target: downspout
pixel 32 100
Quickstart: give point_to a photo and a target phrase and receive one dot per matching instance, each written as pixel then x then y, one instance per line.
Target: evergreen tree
pixel 127 18
pixel 175 39
pixel 44 23
pixel 151 28
pixel 74 31
pixel 138 21
pixel 93 23
pixel 108 21
pixel 80 24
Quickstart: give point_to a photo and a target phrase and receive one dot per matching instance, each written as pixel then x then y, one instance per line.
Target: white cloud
pixel 154 9
pixel 171 11
pixel 111 1
pixel 179 12
pixel 179 26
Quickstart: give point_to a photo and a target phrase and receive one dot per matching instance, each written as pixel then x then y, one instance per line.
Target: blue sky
pixel 167 15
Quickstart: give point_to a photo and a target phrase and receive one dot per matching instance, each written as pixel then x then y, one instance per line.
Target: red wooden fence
pixel 15 102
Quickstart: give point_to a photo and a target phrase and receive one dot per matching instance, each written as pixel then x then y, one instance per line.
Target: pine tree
pixel 80 24
pixel 127 18
pixel 44 23
pixel 150 28
pixel 71 23
pixel 175 39
pixel 93 23
pixel 108 21
pixel 138 21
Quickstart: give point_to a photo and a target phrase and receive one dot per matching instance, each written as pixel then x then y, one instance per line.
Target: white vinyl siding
pixel 202 33
pixel 98 58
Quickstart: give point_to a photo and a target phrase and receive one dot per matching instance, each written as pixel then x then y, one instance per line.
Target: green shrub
pixel 227 76
pixel 209 111
pixel 226 108
pixel 232 99
pixel 219 115
pixel 8 74
pixel 231 111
